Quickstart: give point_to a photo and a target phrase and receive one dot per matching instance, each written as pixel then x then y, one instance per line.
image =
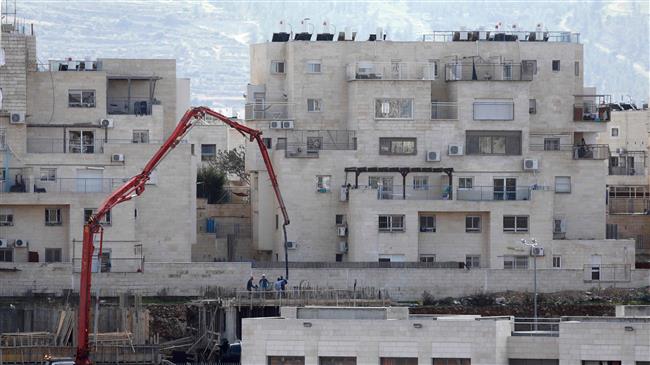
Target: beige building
pixel 448 149
pixel 390 336
pixel 71 132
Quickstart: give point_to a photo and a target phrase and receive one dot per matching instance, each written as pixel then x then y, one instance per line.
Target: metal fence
pixel 608 273
pixel 61 145
pixel 411 192
pixel 628 205
pixel 491 193
pixel 78 185
pixel 501 36
pixel 129 105
pixel 268 111
pixel 444 110
pixel 488 72
pixel 369 70
pixel 309 296
pixel 591 152
pixel 536 327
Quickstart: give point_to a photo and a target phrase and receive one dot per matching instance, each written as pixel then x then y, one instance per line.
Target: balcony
pixel 491 193
pixel 444 110
pixel 25 184
pixel 367 70
pixel 489 71
pixel 130 105
pixel 60 145
pixel 592 108
pixel 309 143
pixel 591 152
pixel 269 111
pixel 410 192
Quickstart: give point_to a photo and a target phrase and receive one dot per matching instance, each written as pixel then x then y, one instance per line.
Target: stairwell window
pixel 314 67
pixel 532 106
pixel 81 98
pixel 314 105
pixel 53 217
pixel 391 223
pixel 277 67
pixel 515 223
pixel 392 108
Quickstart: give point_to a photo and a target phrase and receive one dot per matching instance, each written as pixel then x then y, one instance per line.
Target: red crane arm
pixel 134 187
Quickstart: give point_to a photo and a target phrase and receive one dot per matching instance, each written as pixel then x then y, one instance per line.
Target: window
pixel 106 220
pixel 431 70
pixel 81 142
pixel 557 262
pixel 313 67
pixel 576 68
pixel 53 254
pixel 6 218
pixel 505 188
pixel 551 144
pixel 494 110
pixel 339 219
pixel 427 223
pixel 48 174
pixel 559 228
pixel 141 136
pixel 420 182
pixel 286 360
pixel 507 71
pixel 555 65
pixel 391 223
pixel 563 184
pixel 268 142
pixel 6 255
pixel 314 105
pixel 3 133
pixel 452 362
pixel 427 258
pixel 393 108
pixel 277 67
pixel 337 360
pixel 208 152
pixel 473 261
pixel 493 142
pixel 277 222
pixel 323 183
pixel 397 146
pixel 532 106
pixel 81 98
pixel 515 262
pixel 398 361
pixel 533 362
pixel 472 223
pixel 455 70
pixel 53 217
pixel 614 132
pixel 465 183
pixel 515 223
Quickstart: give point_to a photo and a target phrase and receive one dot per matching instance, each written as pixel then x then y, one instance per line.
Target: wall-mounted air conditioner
pixel 106 123
pixel 343 247
pixel 287 124
pixel 537 251
pixel 455 150
pixel 433 156
pixel 4 243
pixel 342 231
pixel 275 124
pixel 117 157
pixel 17 118
pixel 20 243
pixel 292 245
pixel 531 164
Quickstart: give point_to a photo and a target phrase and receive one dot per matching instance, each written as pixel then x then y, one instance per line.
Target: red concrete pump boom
pixel 134 187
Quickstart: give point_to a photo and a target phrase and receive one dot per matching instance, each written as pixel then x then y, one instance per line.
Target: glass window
pixel 532 106
pixel 472 223
pixel 427 223
pixel 507 71
pixel 208 152
pixel 330 360
pixel 557 262
pixel 398 361
pixel 314 66
pixel 494 110
pixel 53 254
pixel 397 146
pixel 48 174
pixel 323 183
pixel 614 132
pixel 277 67
pixel 576 68
pixel 6 255
pixel 339 219
pixel 465 183
pixel 268 142
pixel 106 220
pixel 81 141
pixel 6 218
pixel 391 223
pixel 81 98
pixel 515 223
pixel 394 109
pixel 473 261
pixel 53 217
pixel 515 262
pixel 493 142
pixel 551 144
pixel 556 65
pixel 563 184
pixel 314 105
pixel 286 360
pixel 451 361
pixel 427 258
pixel 141 136
pixel 529 67
pixel 420 182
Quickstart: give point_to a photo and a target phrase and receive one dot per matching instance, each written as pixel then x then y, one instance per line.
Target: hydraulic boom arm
pixel 134 187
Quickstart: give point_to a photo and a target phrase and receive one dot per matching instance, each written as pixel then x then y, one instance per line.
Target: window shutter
pixel 513 145
pixel 472 145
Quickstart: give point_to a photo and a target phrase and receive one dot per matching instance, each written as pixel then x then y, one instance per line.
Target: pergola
pixel 404 171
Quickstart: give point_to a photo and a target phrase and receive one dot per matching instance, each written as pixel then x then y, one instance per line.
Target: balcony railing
pixel 129 105
pixel 269 111
pixel 309 143
pixel 392 71
pixel 58 145
pixel 591 112
pixel 488 72
pixel 591 152
pixel 444 110
pixel 78 185
pixel 411 192
pixel 607 273
pixel 628 163
pixel 628 205
pixel 491 193
pixel 501 36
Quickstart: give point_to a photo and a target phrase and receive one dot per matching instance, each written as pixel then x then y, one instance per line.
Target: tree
pixel 210 182
pixel 231 162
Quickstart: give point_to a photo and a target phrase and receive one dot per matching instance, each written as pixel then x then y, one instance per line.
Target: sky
pixel 210 39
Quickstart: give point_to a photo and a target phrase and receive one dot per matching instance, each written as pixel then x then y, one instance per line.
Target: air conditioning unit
pixel 342 230
pixel 17 118
pixel 343 247
pixel 117 157
pixel 275 124
pixel 4 243
pixel 287 124
pixel 531 164
pixel 20 243
pixel 537 251
pixel 455 150
pixel 106 123
pixel 433 156
pixel 292 245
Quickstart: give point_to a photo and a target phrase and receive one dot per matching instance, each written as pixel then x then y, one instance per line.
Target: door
pixel 89 181
pixel 386 188
pixel 505 188
pixel 595 267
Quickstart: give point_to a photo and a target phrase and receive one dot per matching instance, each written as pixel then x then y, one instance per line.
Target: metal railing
pixel 501 36
pixel 269 111
pixel 444 110
pixel 129 105
pixel 607 273
pixel 536 327
pixel 77 185
pixel 490 193
pixel 630 163
pixel 591 112
pixel 628 205
pixel 591 152
pixel 309 296
pixel 73 65
pixel 488 72
pixel 309 143
pixel 410 192
pixel 368 70
pixel 60 145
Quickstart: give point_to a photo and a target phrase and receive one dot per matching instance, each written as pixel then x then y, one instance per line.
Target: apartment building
pixel 390 336
pixel 628 210
pixel 71 132
pixel 452 148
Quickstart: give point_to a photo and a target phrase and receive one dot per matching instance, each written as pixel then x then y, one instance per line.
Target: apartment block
pixel 452 148
pixel 72 131
pixel 390 336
